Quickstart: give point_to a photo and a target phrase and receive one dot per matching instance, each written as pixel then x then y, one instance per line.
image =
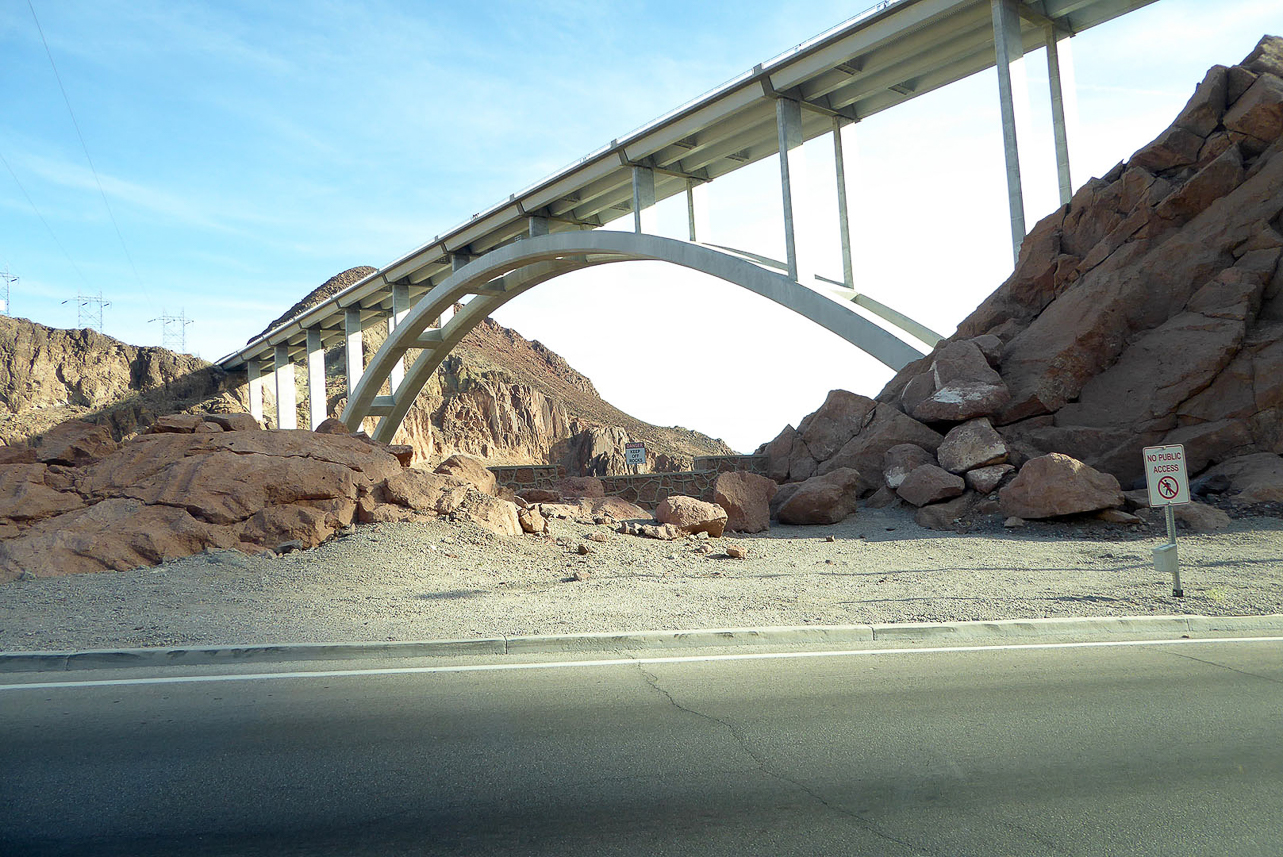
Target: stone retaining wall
pixel 644 489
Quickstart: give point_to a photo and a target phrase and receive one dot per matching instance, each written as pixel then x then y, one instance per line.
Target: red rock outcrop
pixel 746 497
pixel 189 485
pixel 1148 310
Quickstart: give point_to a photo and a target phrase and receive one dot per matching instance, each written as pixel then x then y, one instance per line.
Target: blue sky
pixel 249 151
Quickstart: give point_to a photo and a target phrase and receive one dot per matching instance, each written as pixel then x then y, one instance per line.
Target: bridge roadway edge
pixel 670 642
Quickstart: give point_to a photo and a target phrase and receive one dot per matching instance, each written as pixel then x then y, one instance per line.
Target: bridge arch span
pixel 492 280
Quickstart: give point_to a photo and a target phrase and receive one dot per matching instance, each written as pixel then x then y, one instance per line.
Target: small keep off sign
pixel 634 453
pixel 1166 476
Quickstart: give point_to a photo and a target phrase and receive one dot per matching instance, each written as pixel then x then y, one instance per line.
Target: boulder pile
pixel 1146 311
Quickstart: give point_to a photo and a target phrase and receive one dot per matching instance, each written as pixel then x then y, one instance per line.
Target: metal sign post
pixel 1168 485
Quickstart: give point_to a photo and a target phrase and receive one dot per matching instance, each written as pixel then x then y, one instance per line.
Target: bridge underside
pixel 889 54
pixel 496 278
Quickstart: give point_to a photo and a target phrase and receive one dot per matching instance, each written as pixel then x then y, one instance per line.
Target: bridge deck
pixel 864 66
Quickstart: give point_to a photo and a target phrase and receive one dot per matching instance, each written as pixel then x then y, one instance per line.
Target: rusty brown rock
pixel 691 515
pixel 970 445
pixel 179 423
pixel 746 497
pixel 930 484
pixel 234 422
pixel 75 443
pixel 901 460
pixel 825 499
pixel 983 480
pixel 532 521
pixel 1201 518
pixel 951 515
pixel 886 428
pixel 117 535
pixel 1256 478
pixel 614 508
pixel 1054 485
pixel 471 470
pixel 827 430
pixel 1259 112
pixel 332 425
pixel 25 495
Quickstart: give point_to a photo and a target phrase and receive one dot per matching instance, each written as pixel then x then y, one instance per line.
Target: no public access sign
pixel 1165 474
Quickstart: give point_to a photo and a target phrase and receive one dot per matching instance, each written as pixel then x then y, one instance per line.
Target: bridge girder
pixel 496 278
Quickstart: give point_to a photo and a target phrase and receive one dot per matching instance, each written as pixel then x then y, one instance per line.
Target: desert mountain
pixel 498 396
pixel 508 399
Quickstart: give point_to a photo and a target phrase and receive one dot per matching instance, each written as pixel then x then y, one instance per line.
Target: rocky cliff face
pixel 1147 311
pixel 49 375
pixel 1150 308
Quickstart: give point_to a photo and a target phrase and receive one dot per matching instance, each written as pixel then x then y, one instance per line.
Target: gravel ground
pixel 438 580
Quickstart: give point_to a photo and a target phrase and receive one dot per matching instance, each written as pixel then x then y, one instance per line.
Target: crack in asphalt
pixel 1222 666
pixel 653 681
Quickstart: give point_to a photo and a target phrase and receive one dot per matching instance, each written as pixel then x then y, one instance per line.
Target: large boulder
pixel 1053 485
pixel 470 470
pixel 930 484
pixel 961 385
pixel 970 445
pixel 826 499
pixel 691 515
pixel 75 443
pixel 901 460
pixel 1256 478
pixel 746 497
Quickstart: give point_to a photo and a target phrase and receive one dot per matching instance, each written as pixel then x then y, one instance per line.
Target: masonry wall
pixel 644 489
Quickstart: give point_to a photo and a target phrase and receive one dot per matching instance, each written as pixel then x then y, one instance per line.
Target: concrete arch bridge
pixel 884 56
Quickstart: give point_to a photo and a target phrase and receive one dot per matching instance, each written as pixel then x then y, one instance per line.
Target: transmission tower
pixel 173 331
pixel 89 310
pixel 6 280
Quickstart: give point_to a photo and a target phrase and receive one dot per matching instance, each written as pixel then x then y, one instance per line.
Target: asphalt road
pixel 1132 749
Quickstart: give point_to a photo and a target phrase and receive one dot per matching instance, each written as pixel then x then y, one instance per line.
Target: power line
pixel 52 234
pixel 89 310
pixel 6 280
pixel 173 331
pixel 85 147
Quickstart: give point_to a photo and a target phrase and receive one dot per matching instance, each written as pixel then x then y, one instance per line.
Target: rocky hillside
pixel 498 396
pixel 48 375
pixel 1147 311
pixel 508 399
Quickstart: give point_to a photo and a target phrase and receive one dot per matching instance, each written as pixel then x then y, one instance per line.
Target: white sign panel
pixel 634 453
pixel 1166 476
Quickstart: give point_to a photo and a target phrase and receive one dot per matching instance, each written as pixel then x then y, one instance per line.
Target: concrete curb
pixel 611 642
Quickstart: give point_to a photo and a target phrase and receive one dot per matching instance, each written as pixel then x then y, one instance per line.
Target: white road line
pixel 676 659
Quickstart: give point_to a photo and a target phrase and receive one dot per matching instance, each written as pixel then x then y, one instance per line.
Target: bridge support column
pixel 317 406
pixel 799 233
pixel 1064 100
pixel 286 410
pixel 697 210
pixel 1013 95
pixel 536 226
pixel 400 306
pixel 645 218
pixel 844 220
pixel 352 347
pixel 255 373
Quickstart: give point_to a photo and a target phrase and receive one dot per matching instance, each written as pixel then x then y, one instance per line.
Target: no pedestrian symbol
pixel 1165 475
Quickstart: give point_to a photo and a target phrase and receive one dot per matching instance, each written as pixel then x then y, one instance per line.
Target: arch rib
pixel 499 276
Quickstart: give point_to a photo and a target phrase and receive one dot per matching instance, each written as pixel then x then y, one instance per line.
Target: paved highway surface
pixel 1116 749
